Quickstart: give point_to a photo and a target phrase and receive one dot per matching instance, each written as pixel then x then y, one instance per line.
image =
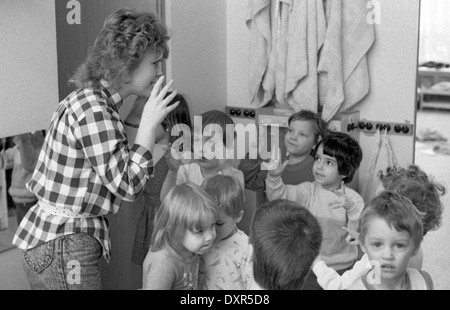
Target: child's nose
pixel 388 253
pixel 211 235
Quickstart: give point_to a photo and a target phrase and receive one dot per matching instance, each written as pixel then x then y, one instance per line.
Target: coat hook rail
pixel 404 129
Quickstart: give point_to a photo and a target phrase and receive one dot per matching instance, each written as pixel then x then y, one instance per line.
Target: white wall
pixel 198 52
pixel 28 65
pixel 392 61
pixel 393 71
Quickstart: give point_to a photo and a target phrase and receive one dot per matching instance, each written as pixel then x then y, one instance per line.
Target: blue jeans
pixel 70 262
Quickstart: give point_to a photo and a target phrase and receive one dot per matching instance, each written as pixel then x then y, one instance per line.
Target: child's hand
pixel 279 170
pixel 173 162
pixel 274 166
pixel 352 237
pixel 225 166
pixel 318 259
pixel 342 201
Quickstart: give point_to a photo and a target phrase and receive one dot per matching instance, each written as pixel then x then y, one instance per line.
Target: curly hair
pixel 413 183
pixel 127 35
pixel 397 210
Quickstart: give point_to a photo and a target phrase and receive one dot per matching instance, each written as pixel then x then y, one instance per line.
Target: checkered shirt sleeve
pixel 85 166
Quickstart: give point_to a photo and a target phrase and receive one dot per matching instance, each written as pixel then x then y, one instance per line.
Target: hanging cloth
pixel 343 68
pixel 258 22
pixel 383 156
pixel 306 35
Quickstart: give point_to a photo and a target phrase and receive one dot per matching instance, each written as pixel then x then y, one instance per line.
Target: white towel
pixel 307 29
pixel 258 22
pixel 343 69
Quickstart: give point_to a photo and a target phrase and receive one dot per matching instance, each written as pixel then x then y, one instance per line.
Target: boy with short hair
pixel 285 239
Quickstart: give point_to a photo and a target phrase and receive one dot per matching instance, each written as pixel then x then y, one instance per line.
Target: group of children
pixel 313 232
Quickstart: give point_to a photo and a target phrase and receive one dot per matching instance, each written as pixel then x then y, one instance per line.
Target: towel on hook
pixel 258 22
pixel 307 29
pixel 383 156
pixel 343 68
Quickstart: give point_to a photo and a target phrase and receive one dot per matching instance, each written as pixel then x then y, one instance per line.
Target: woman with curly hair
pixel 86 167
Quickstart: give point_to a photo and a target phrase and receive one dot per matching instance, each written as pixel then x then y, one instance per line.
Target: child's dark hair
pixel 345 149
pixel 180 115
pixel 227 192
pixel 286 239
pixel 397 210
pixel 319 126
pixel 126 36
pixel 219 118
pixel 423 192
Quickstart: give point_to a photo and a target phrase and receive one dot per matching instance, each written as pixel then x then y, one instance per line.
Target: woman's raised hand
pixel 156 108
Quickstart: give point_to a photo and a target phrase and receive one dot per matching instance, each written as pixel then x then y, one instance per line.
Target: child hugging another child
pixel 336 158
pixel 184 230
pixel 225 266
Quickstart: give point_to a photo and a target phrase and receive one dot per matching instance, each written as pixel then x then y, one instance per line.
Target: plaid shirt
pixel 85 166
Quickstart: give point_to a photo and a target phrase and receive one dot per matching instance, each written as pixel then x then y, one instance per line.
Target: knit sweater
pixel 335 250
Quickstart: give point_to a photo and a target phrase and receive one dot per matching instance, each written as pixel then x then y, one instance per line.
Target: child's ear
pixel 363 248
pixel 238 218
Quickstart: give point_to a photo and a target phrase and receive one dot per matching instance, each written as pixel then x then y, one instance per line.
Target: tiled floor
pixel 436 244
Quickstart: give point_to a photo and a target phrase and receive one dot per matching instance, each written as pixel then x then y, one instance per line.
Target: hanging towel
pixel 307 29
pixel 343 67
pixel 258 22
pixel 284 43
pixel 383 156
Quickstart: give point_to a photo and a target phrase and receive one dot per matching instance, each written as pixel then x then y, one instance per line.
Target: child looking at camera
pixel 336 158
pixel 390 234
pixel 184 230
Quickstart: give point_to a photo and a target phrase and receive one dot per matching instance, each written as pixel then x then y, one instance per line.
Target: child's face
pixel 143 77
pixel 160 133
pixel 200 241
pixel 300 138
pixel 207 147
pixel 225 225
pixel 325 170
pixel 391 248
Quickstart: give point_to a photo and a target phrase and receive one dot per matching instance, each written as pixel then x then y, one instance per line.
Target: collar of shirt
pixel 113 96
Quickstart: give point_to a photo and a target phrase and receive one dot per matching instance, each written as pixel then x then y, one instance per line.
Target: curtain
pixel 434 31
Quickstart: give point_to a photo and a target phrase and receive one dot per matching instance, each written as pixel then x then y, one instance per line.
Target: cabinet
pixel 428 96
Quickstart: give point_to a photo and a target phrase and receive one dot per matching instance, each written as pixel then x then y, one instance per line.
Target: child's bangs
pixel 200 213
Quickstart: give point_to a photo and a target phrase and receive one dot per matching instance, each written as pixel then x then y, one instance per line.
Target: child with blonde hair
pixel 225 266
pixel 184 229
